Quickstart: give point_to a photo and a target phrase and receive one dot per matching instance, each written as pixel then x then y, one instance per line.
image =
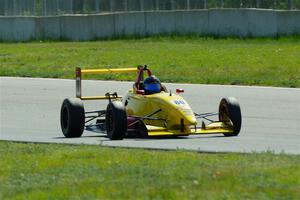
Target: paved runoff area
pixel 30 112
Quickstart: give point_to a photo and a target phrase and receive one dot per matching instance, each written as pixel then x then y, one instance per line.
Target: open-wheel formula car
pixel 146 110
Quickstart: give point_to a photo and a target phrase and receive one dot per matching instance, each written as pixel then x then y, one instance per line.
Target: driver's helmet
pixel 152 85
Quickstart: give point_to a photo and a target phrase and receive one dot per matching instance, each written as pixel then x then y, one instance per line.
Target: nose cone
pixel 175 109
pixel 189 117
pixel 191 120
pixel 185 111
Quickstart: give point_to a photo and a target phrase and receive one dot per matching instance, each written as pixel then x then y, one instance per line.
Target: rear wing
pixel 79 72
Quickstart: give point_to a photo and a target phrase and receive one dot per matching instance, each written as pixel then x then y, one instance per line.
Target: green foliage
pixel 40 171
pixel 188 59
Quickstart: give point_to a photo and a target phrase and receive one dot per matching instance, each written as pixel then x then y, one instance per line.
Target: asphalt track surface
pixel 30 110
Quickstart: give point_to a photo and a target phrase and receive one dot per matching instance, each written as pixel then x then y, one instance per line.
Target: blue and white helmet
pixel 152 85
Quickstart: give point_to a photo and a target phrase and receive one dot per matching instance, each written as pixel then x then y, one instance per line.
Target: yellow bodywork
pixel 108 71
pixel 175 116
pixel 178 117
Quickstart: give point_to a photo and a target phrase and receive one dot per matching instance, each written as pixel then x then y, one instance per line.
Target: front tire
pixel 72 117
pixel 230 111
pixel 116 120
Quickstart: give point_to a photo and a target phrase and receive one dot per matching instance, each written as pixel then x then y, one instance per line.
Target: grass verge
pixel 262 61
pixel 51 171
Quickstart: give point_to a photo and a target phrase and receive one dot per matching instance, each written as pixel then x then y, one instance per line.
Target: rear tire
pixel 229 110
pixel 116 120
pixel 72 117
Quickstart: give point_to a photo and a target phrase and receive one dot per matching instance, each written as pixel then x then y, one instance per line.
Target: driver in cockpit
pixel 152 85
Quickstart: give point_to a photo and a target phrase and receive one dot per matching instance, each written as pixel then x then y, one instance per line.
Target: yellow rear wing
pixel 80 72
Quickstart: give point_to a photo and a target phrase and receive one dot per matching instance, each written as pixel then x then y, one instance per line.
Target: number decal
pixel 179 102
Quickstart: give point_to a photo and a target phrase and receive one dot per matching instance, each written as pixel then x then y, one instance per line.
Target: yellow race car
pixel 148 109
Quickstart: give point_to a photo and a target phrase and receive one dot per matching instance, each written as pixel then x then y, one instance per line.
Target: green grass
pixel 50 171
pixel 262 61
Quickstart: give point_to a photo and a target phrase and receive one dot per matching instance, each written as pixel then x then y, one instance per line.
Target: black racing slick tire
pixel 229 110
pixel 116 120
pixel 72 118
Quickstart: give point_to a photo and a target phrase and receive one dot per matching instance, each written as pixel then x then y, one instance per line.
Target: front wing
pixel 212 128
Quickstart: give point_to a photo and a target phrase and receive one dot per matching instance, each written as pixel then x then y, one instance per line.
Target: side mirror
pixel 140 92
pixel 178 91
